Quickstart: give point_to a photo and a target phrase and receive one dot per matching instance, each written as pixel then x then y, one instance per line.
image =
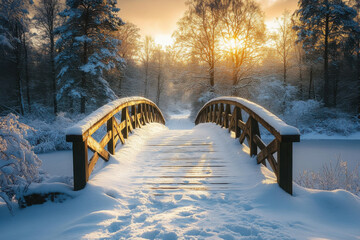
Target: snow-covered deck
pixel 214 191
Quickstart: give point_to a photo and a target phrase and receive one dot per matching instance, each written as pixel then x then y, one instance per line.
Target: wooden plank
pixel 119 133
pixel 95 146
pixel 241 125
pixel 245 132
pixel 128 119
pixel 93 162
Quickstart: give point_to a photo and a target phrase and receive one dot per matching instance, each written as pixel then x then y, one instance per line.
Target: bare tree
pixel 148 47
pixel 243 34
pixel 284 40
pixel 130 38
pixel 47 19
pixel 199 31
pixel 158 57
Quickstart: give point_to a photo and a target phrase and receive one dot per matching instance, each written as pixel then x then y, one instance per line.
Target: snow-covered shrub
pixel 274 94
pixel 331 177
pixel 49 134
pixel 18 163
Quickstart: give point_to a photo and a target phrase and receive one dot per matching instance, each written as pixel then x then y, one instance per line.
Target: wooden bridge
pixel 183 166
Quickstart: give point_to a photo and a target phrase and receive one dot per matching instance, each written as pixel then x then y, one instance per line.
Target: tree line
pixel 79 54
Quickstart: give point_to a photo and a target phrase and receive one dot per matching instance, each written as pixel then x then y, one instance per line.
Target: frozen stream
pixel 312 154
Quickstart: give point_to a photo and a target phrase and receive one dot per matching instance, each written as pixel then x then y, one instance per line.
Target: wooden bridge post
pixel 80 164
pixel 217 114
pixel 221 115
pixel 226 117
pixel 133 116
pixel 254 130
pixel 237 117
pixel 285 162
pixel 111 131
pixel 124 113
pixel 212 113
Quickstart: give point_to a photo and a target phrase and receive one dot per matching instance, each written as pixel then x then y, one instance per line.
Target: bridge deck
pixel 182 161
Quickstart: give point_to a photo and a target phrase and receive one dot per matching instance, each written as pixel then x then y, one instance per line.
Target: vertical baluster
pixel 133 116
pixel 226 117
pixel 111 130
pixel 124 114
pixel 221 115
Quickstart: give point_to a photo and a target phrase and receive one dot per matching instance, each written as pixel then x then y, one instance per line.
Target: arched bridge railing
pixel 228 113
pixel 133 113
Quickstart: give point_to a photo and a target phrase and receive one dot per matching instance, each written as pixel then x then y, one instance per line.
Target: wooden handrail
pixel 227 112
pixel 135 112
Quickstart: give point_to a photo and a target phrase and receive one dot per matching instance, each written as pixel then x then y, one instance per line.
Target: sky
pixel 158 18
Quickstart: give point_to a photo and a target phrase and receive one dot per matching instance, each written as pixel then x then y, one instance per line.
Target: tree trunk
pixel 301 84
pixel 326 61
pixel 234 75
pixel 18 73
pixel 146 78
pixel 158 89
pixel 310 82
pixel 358 78
pixel 284 71
pixel 53 74
pixel 27 78
pixel 212 74
pixel 336 84
pixel 83 74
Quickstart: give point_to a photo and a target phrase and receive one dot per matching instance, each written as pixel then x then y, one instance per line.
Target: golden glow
pixel 163 40
pixel 230 44
pixel 272 25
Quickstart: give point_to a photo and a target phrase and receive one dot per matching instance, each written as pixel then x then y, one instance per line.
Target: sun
pixel 229 44
pixel 163 40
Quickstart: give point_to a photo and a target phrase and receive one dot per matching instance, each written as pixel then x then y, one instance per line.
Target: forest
pixel 60 60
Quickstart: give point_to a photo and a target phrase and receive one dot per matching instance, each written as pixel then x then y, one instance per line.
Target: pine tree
pixel 322 24
pixel 87 48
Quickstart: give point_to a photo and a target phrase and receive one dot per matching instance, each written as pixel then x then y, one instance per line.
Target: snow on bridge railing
pixel 135 112
pixel 227 112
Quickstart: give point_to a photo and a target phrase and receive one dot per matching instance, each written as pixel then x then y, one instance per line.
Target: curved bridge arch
pixel 135 112
pixel 227 112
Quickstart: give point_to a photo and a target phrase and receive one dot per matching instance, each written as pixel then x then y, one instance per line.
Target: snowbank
pixel 279 125
pixel 119 203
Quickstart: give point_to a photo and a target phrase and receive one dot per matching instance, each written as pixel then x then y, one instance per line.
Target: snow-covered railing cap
pixel 135 112
pixel 270 121
pixel 87 126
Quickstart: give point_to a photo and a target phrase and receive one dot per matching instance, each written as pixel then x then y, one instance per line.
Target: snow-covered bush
pixel 274 94
pixel 49 135
pixel 331 177
pixel 18 163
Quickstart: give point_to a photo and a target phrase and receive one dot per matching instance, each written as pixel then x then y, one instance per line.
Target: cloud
pixel 274 8
pixel 153 16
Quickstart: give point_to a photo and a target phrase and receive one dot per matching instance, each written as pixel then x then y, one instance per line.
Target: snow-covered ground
pixel 218 192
